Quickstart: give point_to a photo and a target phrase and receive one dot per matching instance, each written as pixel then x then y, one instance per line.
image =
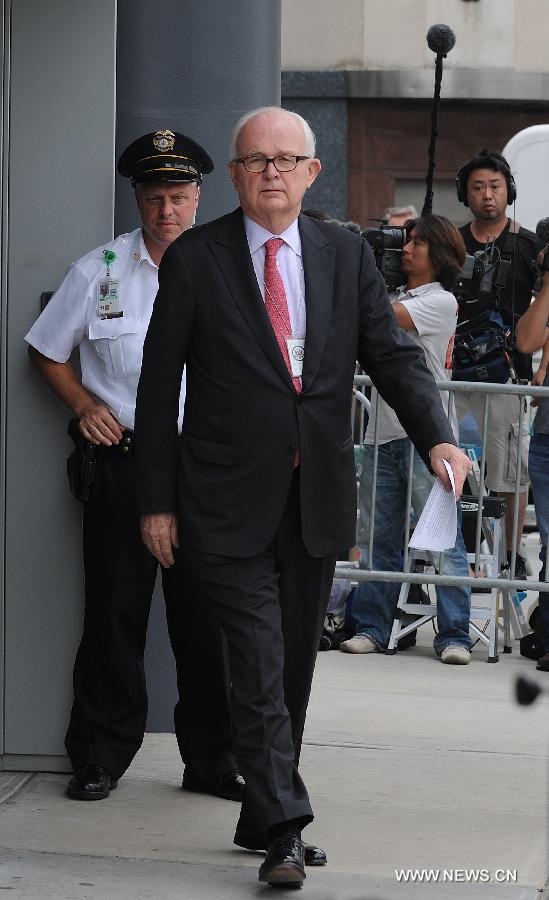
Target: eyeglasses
pixel 257 164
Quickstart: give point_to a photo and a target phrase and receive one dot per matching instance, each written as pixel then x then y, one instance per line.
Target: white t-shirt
pixel 433 311
pixel 111 349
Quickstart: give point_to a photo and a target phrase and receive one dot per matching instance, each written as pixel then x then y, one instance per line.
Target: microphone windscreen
pixel 440 39
pixel 542 230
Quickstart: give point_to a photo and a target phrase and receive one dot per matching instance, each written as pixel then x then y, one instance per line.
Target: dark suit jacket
pixel 229 476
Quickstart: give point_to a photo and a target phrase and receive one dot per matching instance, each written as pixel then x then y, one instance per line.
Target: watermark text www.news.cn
pixel 460 876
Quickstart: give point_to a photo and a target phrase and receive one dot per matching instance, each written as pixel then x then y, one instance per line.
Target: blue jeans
pixel 538 465
pixel 375 602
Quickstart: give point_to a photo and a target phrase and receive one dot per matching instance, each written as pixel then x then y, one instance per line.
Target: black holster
pixel 81 463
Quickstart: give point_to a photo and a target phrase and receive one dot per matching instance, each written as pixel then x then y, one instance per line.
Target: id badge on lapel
pixel 296 354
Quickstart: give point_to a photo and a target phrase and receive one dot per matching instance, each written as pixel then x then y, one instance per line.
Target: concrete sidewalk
pixel 409 763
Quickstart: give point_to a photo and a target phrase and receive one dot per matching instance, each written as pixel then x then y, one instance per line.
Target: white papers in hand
pixel 437 525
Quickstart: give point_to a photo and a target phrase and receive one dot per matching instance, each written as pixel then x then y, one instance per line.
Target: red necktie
pixel 276 303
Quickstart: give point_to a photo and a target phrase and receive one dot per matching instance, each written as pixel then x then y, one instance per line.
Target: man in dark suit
pixel 269 310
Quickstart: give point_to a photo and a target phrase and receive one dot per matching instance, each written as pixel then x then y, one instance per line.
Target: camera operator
pixel 432 257
pixel 486 185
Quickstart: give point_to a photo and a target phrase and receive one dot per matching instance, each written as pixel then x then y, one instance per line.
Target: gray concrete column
pixel 193 66
pixel 57 203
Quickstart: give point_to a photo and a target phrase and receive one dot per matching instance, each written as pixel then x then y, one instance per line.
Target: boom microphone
pixel 440 39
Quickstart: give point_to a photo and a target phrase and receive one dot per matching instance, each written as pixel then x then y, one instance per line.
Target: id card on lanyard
pixel 108 299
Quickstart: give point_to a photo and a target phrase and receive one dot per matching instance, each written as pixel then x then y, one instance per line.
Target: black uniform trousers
pixel 109 712
pixel 271 608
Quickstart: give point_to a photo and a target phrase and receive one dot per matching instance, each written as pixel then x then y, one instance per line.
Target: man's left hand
pixel 459 461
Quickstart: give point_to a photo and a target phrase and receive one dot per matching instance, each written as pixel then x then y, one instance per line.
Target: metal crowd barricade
pixel 490 530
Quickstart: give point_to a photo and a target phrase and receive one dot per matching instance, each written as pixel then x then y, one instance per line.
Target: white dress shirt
pixel 110 349
pixel 290 266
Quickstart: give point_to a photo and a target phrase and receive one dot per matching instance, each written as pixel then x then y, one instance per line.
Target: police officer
pixel 103 307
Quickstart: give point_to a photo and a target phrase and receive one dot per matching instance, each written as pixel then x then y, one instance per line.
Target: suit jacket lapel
pixel 318 264
pixel 233 256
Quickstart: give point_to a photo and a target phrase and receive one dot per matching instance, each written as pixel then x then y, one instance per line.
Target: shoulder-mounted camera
pixel 387 243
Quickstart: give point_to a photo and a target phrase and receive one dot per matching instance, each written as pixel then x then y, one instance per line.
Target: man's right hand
pixel 96 422
pixel 98 425
pixel 159 533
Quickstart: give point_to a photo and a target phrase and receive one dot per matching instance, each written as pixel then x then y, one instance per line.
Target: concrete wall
pixel 58 129
pixel 390 34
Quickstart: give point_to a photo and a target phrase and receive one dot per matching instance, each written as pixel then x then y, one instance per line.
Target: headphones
pixel 485 160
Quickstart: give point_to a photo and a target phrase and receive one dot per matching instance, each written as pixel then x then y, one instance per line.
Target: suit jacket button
pixel 291 451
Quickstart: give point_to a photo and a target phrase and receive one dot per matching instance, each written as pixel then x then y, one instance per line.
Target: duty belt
pixel 127 444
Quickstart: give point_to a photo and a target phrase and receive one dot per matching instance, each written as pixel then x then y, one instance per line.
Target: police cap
pixel 164 156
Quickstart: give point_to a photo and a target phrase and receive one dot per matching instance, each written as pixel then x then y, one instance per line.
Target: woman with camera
pixel 425 307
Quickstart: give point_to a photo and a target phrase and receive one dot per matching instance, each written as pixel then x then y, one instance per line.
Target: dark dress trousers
pixel 109 711
pixel 259 537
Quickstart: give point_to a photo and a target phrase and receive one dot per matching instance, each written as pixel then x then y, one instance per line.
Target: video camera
pixel 484 349
pixel 387 243
pixel 482 279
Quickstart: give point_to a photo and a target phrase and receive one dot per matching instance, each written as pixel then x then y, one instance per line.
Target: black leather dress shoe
pixel 91 783
pixel 543 663
pixel 229 786
pixel 284 863
pixel 313 856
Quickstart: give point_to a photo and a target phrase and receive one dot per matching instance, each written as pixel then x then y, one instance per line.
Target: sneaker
pixel 520 566
pixel 456 655
pixel 360 643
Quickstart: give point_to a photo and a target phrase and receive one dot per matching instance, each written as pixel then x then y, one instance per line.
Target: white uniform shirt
pixel 110 349
pixel 433 311
pixel 290 266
